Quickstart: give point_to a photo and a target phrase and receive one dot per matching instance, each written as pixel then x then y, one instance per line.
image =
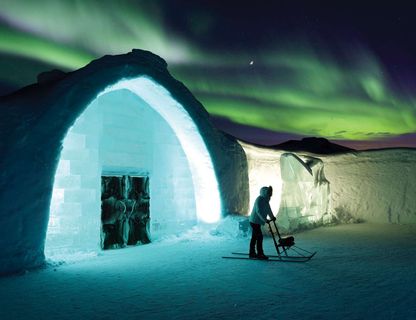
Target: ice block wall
pixel 117 134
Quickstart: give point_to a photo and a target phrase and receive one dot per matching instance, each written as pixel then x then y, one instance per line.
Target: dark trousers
pixel 256 239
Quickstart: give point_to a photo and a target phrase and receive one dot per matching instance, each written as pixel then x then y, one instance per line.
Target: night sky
pixel 267 71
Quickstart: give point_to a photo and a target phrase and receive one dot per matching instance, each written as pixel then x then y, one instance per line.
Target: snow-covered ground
pixel 361 271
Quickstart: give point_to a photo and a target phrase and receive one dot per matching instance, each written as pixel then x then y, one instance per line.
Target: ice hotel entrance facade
pixel 120 133
pixel 135 164
pixel 128 171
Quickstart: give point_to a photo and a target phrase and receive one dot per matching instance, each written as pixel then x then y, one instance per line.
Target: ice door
pixel 125 211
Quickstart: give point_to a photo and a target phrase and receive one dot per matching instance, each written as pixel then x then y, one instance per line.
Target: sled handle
pixel 274 239
pixel 277 230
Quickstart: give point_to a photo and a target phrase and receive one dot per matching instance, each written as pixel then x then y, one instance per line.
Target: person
pixel 258 217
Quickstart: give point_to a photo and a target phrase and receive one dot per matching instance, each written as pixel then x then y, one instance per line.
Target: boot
pixel 252 254
pixel 260 252
pixel 262 256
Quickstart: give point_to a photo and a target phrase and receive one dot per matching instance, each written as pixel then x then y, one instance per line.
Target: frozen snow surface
pixel 361 271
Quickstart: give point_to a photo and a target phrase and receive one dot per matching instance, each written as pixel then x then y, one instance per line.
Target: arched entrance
pixel 134 129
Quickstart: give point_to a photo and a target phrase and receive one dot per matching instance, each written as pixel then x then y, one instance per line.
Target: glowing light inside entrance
pixel 208 203
pixel 134 127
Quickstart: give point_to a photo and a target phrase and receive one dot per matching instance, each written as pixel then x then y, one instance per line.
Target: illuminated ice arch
pixel 208 203
pixel 206 197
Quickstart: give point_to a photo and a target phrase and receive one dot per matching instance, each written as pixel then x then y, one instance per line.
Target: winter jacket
pixel 261 208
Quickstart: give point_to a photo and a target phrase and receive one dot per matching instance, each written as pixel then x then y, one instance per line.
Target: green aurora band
pixel 298 90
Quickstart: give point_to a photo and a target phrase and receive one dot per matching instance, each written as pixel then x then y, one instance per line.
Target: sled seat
pixel 286 242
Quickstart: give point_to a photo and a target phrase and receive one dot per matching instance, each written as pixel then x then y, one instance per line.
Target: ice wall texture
pixel 305 193
pixel 299 199
pixel 373 186
pixel 36 119
pixel 263 170
pixel 118 134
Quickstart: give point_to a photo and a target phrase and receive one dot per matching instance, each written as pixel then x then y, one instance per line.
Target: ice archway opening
pixel 133 127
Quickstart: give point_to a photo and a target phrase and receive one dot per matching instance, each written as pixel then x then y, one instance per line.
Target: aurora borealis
pixel 265 72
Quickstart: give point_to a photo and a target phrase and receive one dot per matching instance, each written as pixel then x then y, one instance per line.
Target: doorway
pixel 125 211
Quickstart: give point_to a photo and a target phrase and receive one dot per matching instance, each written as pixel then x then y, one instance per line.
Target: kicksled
pixel 285 248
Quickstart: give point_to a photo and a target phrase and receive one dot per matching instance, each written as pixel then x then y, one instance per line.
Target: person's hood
pixel 264 192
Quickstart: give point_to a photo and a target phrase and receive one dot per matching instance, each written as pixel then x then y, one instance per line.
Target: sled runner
pixel 283 245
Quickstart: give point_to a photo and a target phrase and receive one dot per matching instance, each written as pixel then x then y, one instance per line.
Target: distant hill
pixel 314 145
